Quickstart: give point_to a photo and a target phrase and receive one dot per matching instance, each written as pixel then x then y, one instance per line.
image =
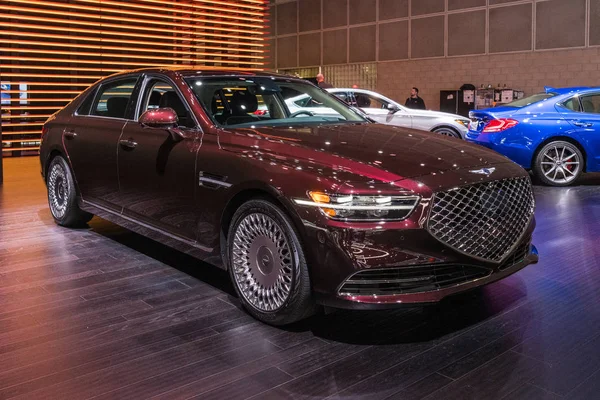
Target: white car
pixel 387 111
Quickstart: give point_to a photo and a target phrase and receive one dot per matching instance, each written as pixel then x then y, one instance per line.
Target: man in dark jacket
pixel 321 82
pixel 414 101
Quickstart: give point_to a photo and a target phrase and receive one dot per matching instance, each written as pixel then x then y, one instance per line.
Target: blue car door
pixel 583 112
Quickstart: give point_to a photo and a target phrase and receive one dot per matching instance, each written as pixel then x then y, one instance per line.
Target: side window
pixel 161 94
pixel 113 98
pixel 84 108
pixel 364 100
pixel 572 104
pixel 591 103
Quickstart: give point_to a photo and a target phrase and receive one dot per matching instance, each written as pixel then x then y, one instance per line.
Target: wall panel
pixel 51 50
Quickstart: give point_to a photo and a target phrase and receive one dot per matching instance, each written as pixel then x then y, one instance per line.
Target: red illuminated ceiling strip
pixel 102 16
pixel 111 40
pixel 170 10
pixel 132 27
pixel 128 49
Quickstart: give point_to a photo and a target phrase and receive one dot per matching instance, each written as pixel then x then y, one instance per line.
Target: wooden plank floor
pixel 105 313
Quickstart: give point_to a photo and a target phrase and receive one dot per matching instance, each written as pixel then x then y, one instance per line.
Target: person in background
pixel 414 101
pixel 321 82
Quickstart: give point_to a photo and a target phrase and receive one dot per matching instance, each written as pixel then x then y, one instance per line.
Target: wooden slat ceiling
pixel 51 50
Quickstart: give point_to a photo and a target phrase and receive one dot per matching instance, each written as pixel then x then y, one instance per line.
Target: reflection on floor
pixel 105 313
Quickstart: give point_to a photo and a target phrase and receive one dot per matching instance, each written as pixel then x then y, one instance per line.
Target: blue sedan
pixel 556 133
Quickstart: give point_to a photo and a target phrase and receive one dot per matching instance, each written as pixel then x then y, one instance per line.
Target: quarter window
pixel 572 104
pixel 591 103
pixel 113 98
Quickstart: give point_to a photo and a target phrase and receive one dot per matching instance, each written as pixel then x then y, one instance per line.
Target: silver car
pixel 387 111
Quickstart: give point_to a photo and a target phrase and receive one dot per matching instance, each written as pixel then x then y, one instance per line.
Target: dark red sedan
pixel 304 208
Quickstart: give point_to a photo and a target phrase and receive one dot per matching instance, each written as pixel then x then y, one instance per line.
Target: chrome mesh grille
pixel 483 220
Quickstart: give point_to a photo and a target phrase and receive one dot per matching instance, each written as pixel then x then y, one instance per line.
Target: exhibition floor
pixel 105 313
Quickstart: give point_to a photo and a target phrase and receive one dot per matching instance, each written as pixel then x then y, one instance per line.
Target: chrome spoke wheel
pixel 561 164
pixel 262 262
pixel 58 191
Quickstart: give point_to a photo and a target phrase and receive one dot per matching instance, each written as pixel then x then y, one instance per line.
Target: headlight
pixel 463 122
pixel 361 208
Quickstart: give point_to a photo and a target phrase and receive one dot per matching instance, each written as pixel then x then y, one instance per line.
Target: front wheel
pixel 558 163
pixel 267 264
pixel 62 195
pixel 447 132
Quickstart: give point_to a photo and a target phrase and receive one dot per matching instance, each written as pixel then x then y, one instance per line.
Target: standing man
pixel 321 82
pixel 414 101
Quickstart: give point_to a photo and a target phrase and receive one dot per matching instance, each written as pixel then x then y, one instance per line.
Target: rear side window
pixel 113 98
pixel 84 108
pixel 591 103
pixel 572 104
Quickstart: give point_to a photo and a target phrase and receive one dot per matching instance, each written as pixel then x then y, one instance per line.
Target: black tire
pixel 447 131
pixel 62 195
pixel 550 167
pixel 264 254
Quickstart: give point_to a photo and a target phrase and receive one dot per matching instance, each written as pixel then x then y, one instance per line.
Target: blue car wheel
pixel 558 163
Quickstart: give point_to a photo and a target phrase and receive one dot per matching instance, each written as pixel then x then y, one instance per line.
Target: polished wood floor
pixel 104 313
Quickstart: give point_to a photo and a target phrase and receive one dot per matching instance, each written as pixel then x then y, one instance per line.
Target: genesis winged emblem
pixel 483 171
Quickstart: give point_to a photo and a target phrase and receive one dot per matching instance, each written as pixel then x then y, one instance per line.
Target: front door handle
pixel 70 135
pixel 583 124
pixel 128 143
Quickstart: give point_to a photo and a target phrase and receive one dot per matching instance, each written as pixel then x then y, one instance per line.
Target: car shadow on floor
pixel 406 324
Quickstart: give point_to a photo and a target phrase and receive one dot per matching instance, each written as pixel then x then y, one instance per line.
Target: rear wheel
pixel 62 195
pixel 267 264
pixel 558 163
pixel 446 131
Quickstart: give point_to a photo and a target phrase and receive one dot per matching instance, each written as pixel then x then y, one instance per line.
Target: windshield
pixel 266 101
pixel 524 102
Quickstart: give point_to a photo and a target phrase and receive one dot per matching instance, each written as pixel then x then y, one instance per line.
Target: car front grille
pixel 483 220
pixel 422 278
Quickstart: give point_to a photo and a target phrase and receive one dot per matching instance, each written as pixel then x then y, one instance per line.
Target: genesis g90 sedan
pixel 555 133
pixel 302 210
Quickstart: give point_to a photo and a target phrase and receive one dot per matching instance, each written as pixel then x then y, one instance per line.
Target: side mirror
pixel 393 109
pixel 165 118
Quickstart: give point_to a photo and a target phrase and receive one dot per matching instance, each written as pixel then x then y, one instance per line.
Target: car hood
pixel 367 151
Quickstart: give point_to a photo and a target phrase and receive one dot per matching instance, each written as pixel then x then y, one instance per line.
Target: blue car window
pixel 591 103
pixel 572 104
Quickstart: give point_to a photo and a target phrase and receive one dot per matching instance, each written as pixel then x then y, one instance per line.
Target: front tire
pixel 446 131
pixel 267 264
pixel 62 195
pixel 558 163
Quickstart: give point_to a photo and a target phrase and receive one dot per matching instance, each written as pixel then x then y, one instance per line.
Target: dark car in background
pixel 319 210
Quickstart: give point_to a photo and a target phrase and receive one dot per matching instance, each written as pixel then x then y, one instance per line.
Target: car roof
pixel 187 70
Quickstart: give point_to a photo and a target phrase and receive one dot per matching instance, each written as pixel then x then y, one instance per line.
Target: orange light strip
pixel 227 3
pixel 128 34
pixel 109 40
pixel 42 91
pixel 170 17
pixel 32 140
pixel 201 7
pixel 38 132
pixel 45 67
pixel 27 75
pixel 61 84
pixel 25 116
pixel 7 149
pixel 118 48
pixel 103 62
pixel 111 18
pixel 37 100
pixel 18 124
pixel 137 28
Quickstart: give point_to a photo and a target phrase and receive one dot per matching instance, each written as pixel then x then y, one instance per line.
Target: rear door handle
pixel 128 143
pixel 583 124
pixel 70 135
